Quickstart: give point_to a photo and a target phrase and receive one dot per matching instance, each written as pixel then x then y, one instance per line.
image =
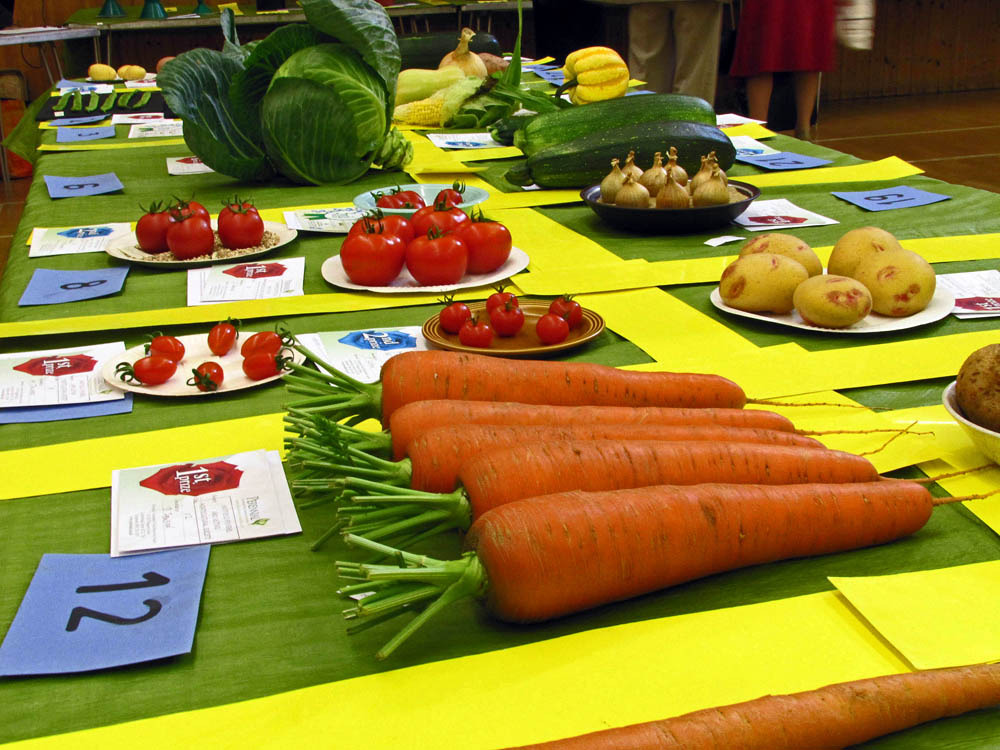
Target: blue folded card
pixel 60 412
pixel 781 161
pixel 887 199
pixel 73 135
pixel 49 286
pixel 69 187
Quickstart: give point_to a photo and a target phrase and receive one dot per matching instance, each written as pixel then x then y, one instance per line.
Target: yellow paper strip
pixel 139 143
pixel 86 464
pixel 548 243
pixel 482 154
pixel 752 129
pixel 54 125
pixel 542 691
pixel 935 618
pixel 890 168
pixel 617 277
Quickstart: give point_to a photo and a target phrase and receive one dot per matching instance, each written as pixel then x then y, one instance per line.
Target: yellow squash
pixel 599 73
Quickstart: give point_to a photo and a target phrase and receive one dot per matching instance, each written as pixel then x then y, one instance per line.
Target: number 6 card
pixel 887 199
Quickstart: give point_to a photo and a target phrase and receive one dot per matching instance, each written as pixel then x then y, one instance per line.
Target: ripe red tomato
pixel 453 315
pixel 435 259
pixel 391 224
pixel 398 198
pixel 165 346
pixel 260 365
pixel 240 227
pixel 222 336
pixel 372 258
pixel 207 376
pixel 190 237
pixel 568 308
pixel 152 370
pixel 445 219
pixel 507 319
pixel 451 196
pixel 489 243
pixel 411 199
pixel 262 341
pixel 235 205
pixel 476 332
pixel 552 329
pixel 184 208
pixel 499 298
pixel 151 229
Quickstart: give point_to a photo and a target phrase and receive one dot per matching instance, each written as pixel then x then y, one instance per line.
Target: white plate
pixel 333 272
pixel 940 306
pixel 428 191
pixel 196 351
pixel 125 248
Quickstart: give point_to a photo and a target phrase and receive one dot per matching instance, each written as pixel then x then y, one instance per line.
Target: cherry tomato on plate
pixel 151 229
pixel 391 224
pixel 222 336
pixel 183 208
pixel 165 346
pixel 489 243
pixel 438 215
pixel 507 319
pixel 398 198
pixel 552 329
pixel 240 226
pixel 260 365
pixel 411 199
pixel 436 258
pixel 235 205
pixel 476 332
pixel 451 196
pixel 499 298
pixel 207 376
pixel 151 370
pixel 262 341
pixel 453 315
pixel 568 308
pixel 190 237
pixel 373 258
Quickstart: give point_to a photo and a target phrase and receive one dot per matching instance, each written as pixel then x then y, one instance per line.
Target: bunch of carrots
pixel 576 484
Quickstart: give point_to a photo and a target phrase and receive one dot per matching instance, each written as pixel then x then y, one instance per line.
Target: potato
pixel 977 387
pixel 101 72
pixel 901 282
pixel 131 72
pixel 832 301
pixel 856 245
pixel 784 244
pixel 163 61
pixel 762 282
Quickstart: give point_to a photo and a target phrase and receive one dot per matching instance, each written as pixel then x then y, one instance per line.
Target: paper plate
pixel 428 191
pixel 940 306
pixel 196 351
pixel 333 272
pixel 526 342
pixel 125 248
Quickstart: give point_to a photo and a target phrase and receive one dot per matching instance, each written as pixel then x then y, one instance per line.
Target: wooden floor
pixel 953 137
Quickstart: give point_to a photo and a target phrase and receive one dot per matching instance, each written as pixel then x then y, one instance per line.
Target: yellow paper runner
pixel 86 464
pixel 94 146
pixel 935 618
pixel 548 243
pixel 621 276
pixel 482 154
pixel 751 129
pixel 890 168
pixel 542 691
pixel 54 124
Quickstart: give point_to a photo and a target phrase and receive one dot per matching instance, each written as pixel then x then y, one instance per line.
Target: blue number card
pixel 887 199
pixel 782 160
pixel 69 187
pixel 73 135
pixel 87 612
pixel 89 119
pixel 49 286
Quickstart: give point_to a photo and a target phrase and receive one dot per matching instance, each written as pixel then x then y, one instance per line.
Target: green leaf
pixel 196 87
pixel 231 42
pixel 366 27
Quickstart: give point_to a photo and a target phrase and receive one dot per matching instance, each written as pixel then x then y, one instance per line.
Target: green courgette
pixel 586 160
pixel 427 50
pixel 502 131
pixel 553 128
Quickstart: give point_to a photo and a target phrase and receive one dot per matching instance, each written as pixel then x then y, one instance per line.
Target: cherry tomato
pixel 190 237
pixel 263 341
pixel 373 258
pixel 436 259
pixel 152 370
pixel 489 243
pixel 207 376
pixel 235 205
pixel 507 319
pixel 568 308
pixel 391 224
pixel 500 298
pixel 453 315
pixel 241 227
pixel 151 229
pixel 476 332
pixel 438 215
pixel 184 208
pixel 398 198
pixel 165 346
pixel 552 328
pixel 451 196
pixel 260 365
pixel 222 336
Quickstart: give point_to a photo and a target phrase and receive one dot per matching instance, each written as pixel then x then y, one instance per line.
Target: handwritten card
pixel 891 198
pixel 463 140
pixel 779 213
pixel 976 293
pixel 70 240
pixel 178 165
pixel 140 118
pixel 246 281
pixel 747 146
pixel 74 187
pixel 730 119
pixel 57 376
pixel 158 129
pixel 85 87
pixel 209 501
pixel 782 160
pixel 333 220
pixel 87 612
pixel 49 286
pixel 361 354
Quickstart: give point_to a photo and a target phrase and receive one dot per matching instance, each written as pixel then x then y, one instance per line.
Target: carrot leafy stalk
pixel 330 392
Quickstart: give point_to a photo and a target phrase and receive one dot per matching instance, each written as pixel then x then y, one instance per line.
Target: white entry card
pixel 766 216
pixel 246 281
pixel 361 354
pixel 89 239
pixel 58 376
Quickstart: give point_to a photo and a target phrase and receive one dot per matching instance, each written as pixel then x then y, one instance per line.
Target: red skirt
pixel 784 35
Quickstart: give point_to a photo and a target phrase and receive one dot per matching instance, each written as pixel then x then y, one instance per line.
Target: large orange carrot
pixel 417 417
pixel 548 556
pixel 831 717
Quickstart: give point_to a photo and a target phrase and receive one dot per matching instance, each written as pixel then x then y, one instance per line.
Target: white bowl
pixel 428 191
pixel 987 441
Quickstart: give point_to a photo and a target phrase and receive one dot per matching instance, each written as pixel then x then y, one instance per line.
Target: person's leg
pixel 647 30
pixel 759 95
pixel 696 32
pixel 806 90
